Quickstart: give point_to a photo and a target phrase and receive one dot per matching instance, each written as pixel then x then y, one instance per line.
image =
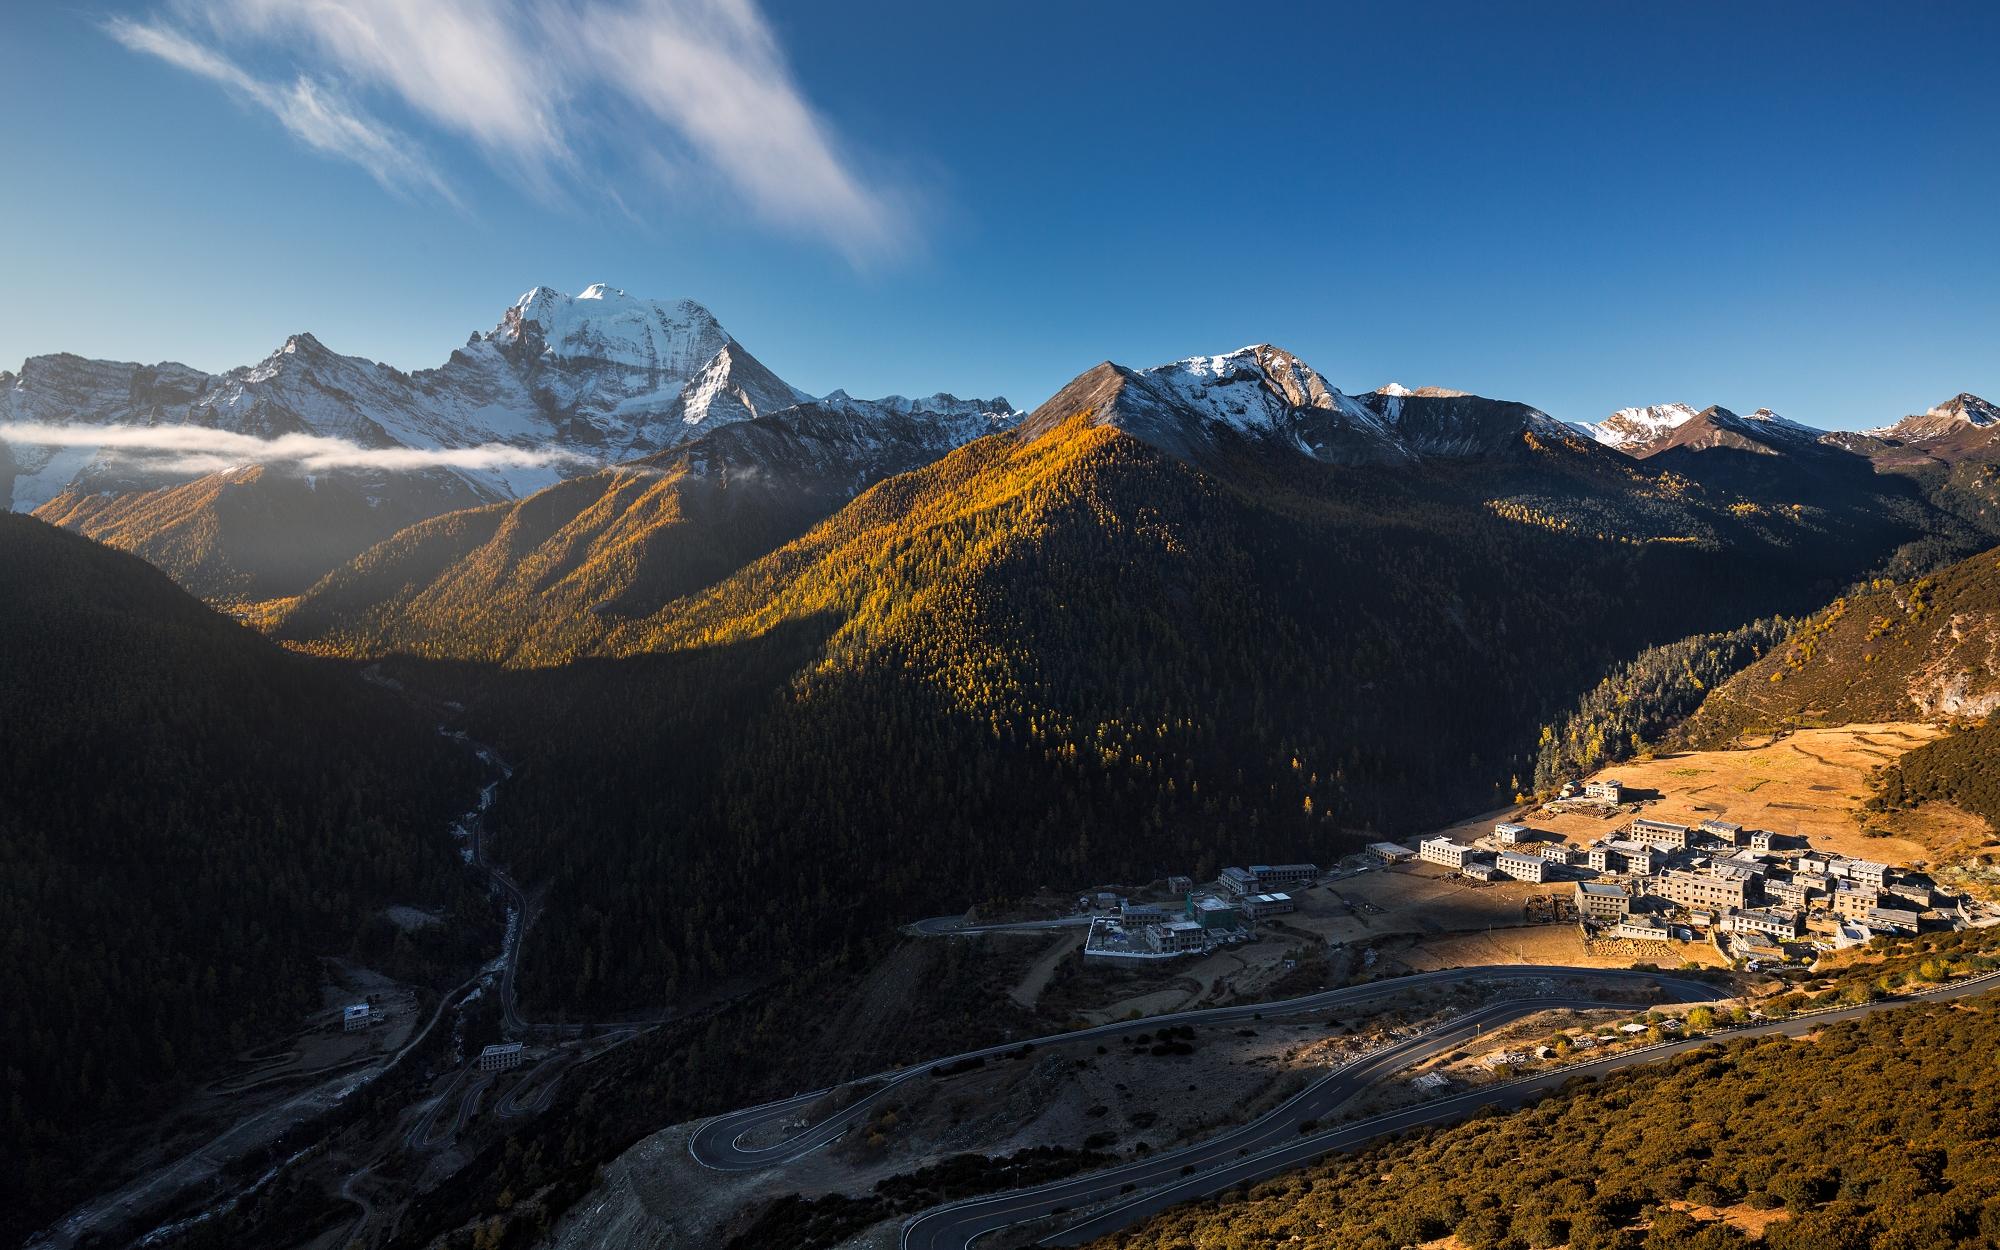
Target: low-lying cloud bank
pixel 198 449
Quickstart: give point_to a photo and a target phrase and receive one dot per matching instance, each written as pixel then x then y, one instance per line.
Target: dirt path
pixel 1029 991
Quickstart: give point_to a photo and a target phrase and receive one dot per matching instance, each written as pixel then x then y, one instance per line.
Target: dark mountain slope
pixel 188 818
pixel 259 532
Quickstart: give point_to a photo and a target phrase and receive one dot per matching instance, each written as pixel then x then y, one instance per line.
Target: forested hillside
pixel 254 532
pixel 1962 768
pixel 1075 657
pixel 189 817
pixel 555 576
pixel 1638 702
pixel 1922 649
pixel 1696 1154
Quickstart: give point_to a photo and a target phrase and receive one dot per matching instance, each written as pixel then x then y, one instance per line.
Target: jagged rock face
pixel 1191 407
pixel 639 374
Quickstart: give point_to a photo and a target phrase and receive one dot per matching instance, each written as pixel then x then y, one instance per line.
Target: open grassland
pixel 1811 783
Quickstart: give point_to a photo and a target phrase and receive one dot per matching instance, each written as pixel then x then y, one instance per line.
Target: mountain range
pixel 1205 608
pixel 562 385
pixel 777 674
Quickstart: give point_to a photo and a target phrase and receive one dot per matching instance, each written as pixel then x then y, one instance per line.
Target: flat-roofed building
pixel 1785 893
pixel 1213 914
pixel 1759 839
pixel 1135 914
pixel 1604 791
pixel 1554 852
pixel 1659 834
pixel 355 1017
pixel 1885 920
pixel 1258 906
pixel 1478 870
pixel 1783 925
pixel 1867 872
pixel 1602 858
pixel 1919 894
pixel 1238 881
pixel 1176 936
pixel 1641 929
pixel 1522 867
pixel 1443 851
pixel 1180 885
pixel 1391 852
pixel 1601 900
pixel 1271 876
pixel 1639 858
pixel 501 1056
pixel 1853 901
pixel 1697 889
pixel 1507 833
pixel 1722 831
pixel 1748 861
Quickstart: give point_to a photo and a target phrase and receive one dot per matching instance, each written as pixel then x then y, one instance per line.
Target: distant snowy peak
pixel 1969 408
pixel 1192 407
pixel 1631 429
pixel 940 404
pixel 1962 412
pixel 1396 390
pixel 592 378
pixel 1770 424
pixel 1762 432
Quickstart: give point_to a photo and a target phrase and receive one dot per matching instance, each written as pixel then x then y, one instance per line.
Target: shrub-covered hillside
pixel 1879 1134
pixel 1925 649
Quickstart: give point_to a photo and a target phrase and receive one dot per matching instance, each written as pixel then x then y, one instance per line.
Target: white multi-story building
pixel 1522 867
pixel 356 1017
pixel 501 1056
pixel 1443 851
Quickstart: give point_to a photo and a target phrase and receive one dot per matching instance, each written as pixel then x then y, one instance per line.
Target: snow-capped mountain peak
pixel 1633 429
pixel 1963 411
pixel 562 380
pixel 1395 390
pixel 1198 406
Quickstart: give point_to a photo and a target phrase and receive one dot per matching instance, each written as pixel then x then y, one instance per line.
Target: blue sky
pixel 1582 207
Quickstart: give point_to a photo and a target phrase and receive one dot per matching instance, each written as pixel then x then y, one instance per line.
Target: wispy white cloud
pixel 563 93
pixel 314 113
pixel 198 449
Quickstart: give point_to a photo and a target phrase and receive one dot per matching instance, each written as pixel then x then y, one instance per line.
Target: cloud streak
pixel 314 113
pixel 563 94
pixel 199 449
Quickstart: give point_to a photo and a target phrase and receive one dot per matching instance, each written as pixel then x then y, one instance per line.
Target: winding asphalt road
pixel 718 1143
pixel 1226 1153
pixel 957 1227
pixel 956 926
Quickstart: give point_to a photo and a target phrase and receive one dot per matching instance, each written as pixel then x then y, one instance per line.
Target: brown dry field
pixel 1810 783
pixel 1412 898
